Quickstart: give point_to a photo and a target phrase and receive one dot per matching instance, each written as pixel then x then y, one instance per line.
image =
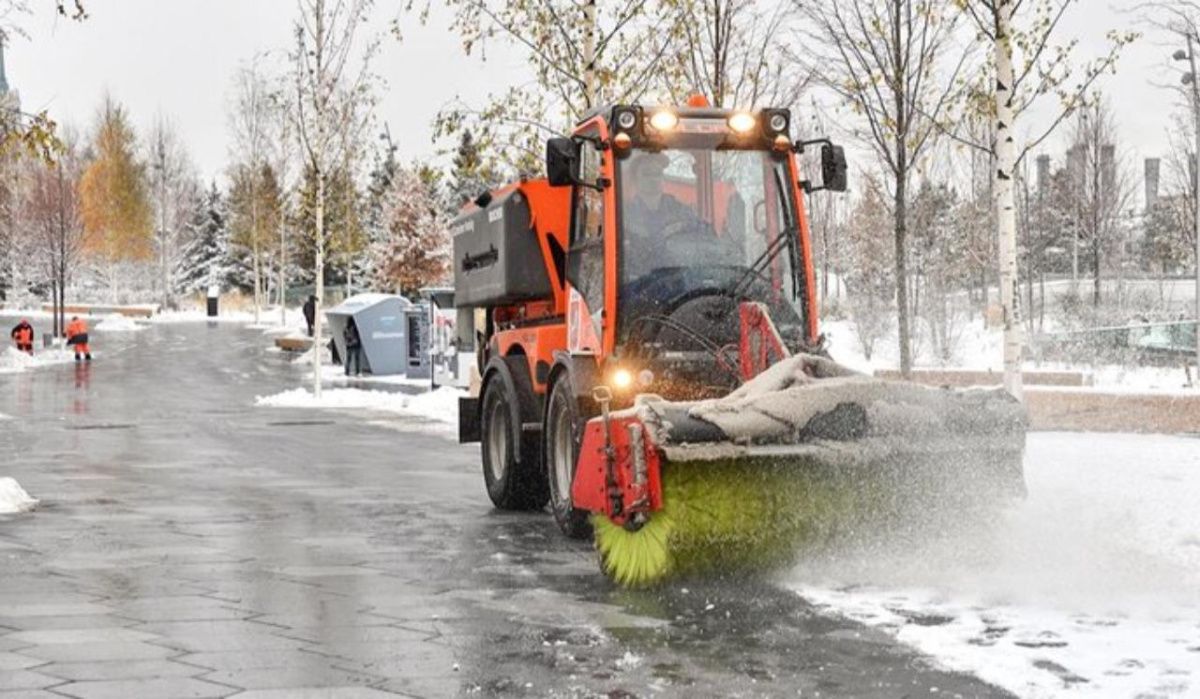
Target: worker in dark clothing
pixel 77 336
pixel 650 215
pixel 310 313
pixel 22 335
pixel 353 347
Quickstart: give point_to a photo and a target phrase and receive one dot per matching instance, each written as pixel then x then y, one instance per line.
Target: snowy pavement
pixel 191 543
pixel 1089 588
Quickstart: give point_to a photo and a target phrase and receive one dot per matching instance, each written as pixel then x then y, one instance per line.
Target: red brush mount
pixel 760 345
pixel 618 473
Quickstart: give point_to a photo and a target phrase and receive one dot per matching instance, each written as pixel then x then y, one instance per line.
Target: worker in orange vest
pixel 22 335
pixel 77 335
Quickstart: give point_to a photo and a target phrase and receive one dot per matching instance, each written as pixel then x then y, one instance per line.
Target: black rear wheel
pixel 511 459
pixel 562 435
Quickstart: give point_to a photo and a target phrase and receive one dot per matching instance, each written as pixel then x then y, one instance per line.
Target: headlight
pixel 626 120
pixel 664 120
pixel 622 379
pixel 741 122
pixel 778 123
pixel 645 377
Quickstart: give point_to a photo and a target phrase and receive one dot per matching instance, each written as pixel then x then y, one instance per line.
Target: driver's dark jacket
pixel 642 228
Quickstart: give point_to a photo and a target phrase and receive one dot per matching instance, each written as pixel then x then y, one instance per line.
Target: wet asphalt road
pixel 193 545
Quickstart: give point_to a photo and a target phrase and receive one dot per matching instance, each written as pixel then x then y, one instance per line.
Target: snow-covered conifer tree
pixel 205 258
pixel 415 251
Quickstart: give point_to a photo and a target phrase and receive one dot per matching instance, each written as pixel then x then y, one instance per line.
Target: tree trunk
pixel 1006 212
pixel 282 274
pixel 62 300
pixel 901 235
pixel 589 53
pixel 319 268
pixel 162 216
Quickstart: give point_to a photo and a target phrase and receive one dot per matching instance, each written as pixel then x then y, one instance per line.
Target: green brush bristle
pixel 722 516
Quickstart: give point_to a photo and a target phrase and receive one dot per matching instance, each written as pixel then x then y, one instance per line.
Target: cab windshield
pixel 699 222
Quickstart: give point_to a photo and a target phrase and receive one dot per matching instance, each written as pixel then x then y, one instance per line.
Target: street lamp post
pixel 1189 78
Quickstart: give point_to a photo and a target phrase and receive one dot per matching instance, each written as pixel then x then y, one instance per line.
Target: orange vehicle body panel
pixel 537 329
pixel 806 252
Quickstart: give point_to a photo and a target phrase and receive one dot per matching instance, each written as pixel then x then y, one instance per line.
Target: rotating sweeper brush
pixel 649 362
pixel 805 455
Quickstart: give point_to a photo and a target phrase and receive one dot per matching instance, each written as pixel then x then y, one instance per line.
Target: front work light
pixel 742 122
pixel 664 120
pixel 622 379
pixel 778 122
pixel 626 120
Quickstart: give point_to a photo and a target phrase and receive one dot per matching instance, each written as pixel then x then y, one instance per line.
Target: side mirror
pixel 833 168
pixel 562 161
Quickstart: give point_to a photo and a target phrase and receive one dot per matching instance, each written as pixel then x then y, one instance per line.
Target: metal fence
pixel 1143 343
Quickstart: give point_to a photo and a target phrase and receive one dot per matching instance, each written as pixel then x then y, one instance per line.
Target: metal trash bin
pixel 214 295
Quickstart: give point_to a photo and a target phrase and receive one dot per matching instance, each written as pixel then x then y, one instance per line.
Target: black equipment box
pixel 497 259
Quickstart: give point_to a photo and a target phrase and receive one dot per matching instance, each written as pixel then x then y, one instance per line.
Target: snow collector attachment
pixel 805 454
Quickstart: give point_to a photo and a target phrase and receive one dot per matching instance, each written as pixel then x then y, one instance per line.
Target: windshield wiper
pixel 760 263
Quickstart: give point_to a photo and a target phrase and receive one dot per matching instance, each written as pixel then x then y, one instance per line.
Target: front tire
pixel 562 434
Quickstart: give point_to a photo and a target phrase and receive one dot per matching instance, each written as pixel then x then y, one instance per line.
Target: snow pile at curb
pixel 118 323
pixel 13 497
pixel 438 406
pixel 13 361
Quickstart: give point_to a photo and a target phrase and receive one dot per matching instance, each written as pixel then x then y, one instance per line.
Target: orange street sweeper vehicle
pixel 650 363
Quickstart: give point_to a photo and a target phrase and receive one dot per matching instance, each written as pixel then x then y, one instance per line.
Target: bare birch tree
pixel 734 52
pixel 579 54
pixel 1103 189
pixel 251 119
pixel 332 100
pixel 1026 66
pixel 174 189
pixel 887 60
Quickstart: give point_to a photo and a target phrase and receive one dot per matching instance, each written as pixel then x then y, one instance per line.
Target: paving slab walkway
pixel 192 545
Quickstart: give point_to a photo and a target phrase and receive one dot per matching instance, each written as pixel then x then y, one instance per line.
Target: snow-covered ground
pixel 1089 587
pixel 979 349
pixel 440 406
pixel 117 323
pixel 13 361
pixel 269 317
pixel 13 497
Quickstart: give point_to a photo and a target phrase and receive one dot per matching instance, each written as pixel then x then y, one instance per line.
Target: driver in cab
pixel 648 213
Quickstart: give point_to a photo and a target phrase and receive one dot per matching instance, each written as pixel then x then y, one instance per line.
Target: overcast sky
pixel 178 58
